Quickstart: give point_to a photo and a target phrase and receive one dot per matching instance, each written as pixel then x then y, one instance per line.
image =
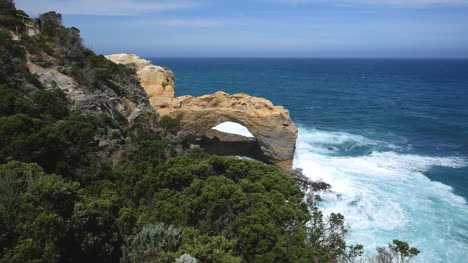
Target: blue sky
pixel 267 28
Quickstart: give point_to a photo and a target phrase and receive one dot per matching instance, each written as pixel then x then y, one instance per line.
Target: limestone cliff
pixel 271 125
pixel 123 107
pixel 157 81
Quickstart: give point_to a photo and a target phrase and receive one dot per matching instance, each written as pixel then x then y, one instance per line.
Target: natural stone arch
pixel 231 140
pixel 271 125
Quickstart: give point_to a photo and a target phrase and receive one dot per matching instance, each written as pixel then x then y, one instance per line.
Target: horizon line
pixel 248 57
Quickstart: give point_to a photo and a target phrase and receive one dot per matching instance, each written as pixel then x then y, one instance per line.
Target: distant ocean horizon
pixel 309 58
pixel 398 129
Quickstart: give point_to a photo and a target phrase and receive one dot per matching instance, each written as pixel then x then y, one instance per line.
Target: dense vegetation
pixel 64 199
pixel 8 13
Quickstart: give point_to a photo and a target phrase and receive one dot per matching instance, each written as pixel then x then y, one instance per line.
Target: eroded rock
pixel 271 125
pixel 121 107
pixel 157 81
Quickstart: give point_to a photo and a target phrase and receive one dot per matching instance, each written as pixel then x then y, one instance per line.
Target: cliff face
pixel 124 107
pixel 271 125
pixel 157 81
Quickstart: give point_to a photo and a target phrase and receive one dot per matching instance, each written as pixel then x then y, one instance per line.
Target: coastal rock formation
pixel 157 81
pixel 271 125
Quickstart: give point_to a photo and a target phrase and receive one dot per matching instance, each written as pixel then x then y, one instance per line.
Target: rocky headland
pixel 271 125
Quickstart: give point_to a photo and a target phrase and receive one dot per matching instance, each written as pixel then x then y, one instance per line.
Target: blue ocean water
pixel 399 129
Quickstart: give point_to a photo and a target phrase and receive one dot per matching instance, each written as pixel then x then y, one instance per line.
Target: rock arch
pixel 271 125
pixel 230 142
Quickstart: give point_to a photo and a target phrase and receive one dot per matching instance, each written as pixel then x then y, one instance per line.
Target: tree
pixel 7 4
pixel 12 101
pixel 397 252
pixel 33 208
pixel 8 13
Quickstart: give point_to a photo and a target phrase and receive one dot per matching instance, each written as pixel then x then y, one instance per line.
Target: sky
pixel 267 28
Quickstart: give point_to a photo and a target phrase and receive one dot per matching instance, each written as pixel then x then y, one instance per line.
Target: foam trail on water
pixel 385 195
pixel 234 128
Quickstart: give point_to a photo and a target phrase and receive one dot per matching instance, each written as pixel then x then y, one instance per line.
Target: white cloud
pixel 402 3
pixel 102 7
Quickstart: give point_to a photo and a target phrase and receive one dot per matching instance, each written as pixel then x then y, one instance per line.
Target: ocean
pixel 399 133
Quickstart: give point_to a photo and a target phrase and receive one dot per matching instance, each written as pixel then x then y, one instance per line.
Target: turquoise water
pixel 399 130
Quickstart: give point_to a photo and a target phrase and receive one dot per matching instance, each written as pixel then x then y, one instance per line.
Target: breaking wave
pixel 385 194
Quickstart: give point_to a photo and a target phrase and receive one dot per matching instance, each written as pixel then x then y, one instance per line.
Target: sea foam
pixel 385 195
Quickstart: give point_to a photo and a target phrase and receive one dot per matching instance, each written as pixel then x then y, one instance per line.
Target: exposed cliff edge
pixel 123 105
pixel 158 82
pixel 271 125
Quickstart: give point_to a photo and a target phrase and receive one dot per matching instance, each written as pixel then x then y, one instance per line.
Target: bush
pixel 22 13
pixel 33 206
pixel 8 13
pixel 208 249
pixel 51 103
pixel 186 258
pixel 152 244
pixel 94 229
pixel 12 101
pixel 397 252
pixel 169 123
pixel 46 48
pixel 51 22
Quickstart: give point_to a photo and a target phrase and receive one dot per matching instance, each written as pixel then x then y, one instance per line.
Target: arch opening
pixel 230 139
pixel 233 128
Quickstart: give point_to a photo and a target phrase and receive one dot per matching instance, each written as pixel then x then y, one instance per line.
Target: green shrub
pixel 397 252
pixel 150 154
pixel 145 127
pixel 5 38
pixel 46 48
pixel 186 258
pixel 12 101
pixel 51 23
pixel 22 13
pixel 51 103
pixel 208 249
pixel 154 243
pixel 94 228
pixel 33 225
pixel 169 123
pixel 8 13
